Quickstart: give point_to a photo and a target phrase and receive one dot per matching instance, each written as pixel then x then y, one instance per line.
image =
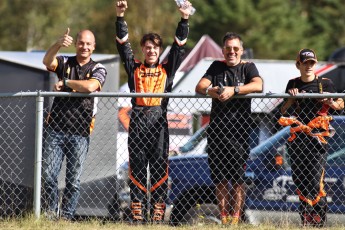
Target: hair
pixel 154 38
pixel 231 36
pixel 298 63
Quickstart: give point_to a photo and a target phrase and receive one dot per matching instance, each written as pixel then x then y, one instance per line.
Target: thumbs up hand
pixel 66 40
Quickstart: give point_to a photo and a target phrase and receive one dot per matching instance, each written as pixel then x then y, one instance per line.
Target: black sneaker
pixel 305 211
pixel 320 213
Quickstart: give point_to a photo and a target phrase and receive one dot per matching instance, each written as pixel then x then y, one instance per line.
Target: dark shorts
pixel 227 155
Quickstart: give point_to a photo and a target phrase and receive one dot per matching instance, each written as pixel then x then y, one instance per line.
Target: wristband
pixel 65 82
pixel 206 92
pixel 236 90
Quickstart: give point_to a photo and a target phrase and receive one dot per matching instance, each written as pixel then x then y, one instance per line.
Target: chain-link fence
pixel 183 183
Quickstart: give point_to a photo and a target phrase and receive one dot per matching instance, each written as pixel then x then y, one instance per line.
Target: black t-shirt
pixel 230 120
pixel 306 109
pixel 74 115
pixel 238 75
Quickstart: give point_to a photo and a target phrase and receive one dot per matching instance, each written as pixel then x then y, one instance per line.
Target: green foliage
pixel 274 29
pixel 216 17
pixel 280 33
pixel 327 31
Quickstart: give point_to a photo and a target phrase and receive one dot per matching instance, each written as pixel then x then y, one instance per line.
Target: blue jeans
pixel 57 146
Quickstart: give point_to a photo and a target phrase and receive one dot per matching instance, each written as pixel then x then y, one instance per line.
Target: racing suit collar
pixel 151 66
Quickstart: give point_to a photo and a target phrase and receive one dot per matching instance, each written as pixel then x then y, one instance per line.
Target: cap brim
pixel 310 59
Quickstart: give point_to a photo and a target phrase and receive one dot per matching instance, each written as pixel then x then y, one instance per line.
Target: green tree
pixel 275 29
pixel 11 25
pixel 216 17
pixel 36 24
pixel 48 20
pixel 327 20
pixel 280 30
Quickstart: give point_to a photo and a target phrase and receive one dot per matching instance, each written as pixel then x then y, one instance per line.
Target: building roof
pixel 205 47
pixel 34 59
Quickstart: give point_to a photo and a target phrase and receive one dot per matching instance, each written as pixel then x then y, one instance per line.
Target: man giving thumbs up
pixel 70 120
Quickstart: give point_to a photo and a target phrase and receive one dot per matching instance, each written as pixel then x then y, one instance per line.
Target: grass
pixel 33 224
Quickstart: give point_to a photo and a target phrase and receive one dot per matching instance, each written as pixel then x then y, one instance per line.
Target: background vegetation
pixel 274 29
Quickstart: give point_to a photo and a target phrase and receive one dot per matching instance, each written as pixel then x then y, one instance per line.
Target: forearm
pixel 202 86
pixel 49 59
pixel 82 86
pixel 252 87
pixel 337 104
pixel 182 32
pixel 201 89
pixel 121 30
pixel 123 46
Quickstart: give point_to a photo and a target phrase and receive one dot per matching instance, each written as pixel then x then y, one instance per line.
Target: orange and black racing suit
pixel 307 148
pixel 148 140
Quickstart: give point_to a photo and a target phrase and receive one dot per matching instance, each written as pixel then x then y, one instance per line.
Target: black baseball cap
pixel 306 55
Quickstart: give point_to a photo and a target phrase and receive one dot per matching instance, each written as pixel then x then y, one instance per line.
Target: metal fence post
pixel 38 155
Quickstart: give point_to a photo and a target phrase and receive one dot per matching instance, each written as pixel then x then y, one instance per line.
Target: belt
pixel 147 109
pixel 140 108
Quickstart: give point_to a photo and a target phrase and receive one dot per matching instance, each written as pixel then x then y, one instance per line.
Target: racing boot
pixel 305 212
pixel 319 213
pixel 158 213
pixel 137 212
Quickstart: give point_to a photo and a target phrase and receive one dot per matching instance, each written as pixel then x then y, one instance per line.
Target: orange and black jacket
pixel 158 78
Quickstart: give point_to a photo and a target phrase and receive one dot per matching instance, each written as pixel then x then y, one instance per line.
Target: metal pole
pixel 38 155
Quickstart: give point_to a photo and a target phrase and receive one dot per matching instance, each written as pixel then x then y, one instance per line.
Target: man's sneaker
pixel 225 219
pixel 137 213
pixel 229 220
pixel 158 212
pixel 235 220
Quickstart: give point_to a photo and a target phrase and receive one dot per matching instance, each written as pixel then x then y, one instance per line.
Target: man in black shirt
pixel 70 120
pixel 230 123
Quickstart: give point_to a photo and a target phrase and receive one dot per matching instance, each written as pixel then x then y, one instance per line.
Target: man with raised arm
pixel 148 139
pixel 70 120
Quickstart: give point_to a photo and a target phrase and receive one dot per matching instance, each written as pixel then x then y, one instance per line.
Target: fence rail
pixel 104 183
